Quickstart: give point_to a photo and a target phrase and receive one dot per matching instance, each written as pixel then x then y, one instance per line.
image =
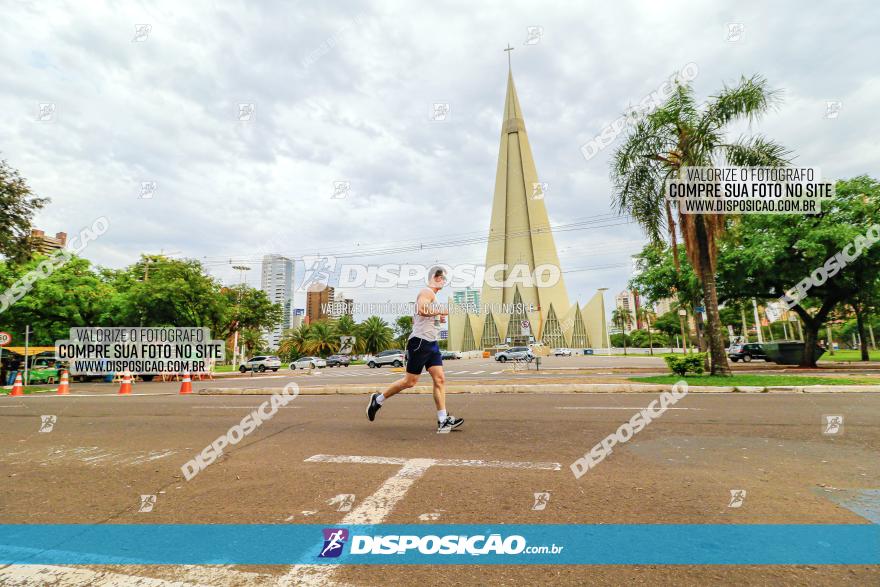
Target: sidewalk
pixel 546 388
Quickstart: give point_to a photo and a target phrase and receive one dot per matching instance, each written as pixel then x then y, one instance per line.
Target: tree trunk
pixel 650 340
pixel 682 320
pixel 811 336
pixel 811 325
pixel 860 325
pixel 710 295
pixel 699 327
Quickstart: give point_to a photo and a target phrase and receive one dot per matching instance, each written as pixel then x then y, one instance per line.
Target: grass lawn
pixel 848 355
pixel 224 368
pixel 29 389
pixel 757 380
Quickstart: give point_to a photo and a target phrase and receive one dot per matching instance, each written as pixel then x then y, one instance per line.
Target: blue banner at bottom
pixel 421 544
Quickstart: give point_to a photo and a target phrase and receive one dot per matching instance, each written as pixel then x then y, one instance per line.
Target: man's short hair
pixel 437 271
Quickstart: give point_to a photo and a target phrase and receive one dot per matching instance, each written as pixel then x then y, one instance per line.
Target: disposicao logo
pixel 334 540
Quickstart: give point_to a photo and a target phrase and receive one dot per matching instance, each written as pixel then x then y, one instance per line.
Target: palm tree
pixel 376 334
pixel 403 328
pixel 681 133
pixel 620 317
pixel 346 326
pixel 322 339
pixel 293 343
pixel 646 314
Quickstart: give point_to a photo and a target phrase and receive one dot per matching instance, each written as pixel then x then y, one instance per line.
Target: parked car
pixel 308 363
pixel 747 352
pixel 261 364
pixel 517 353
pixel 562 352
pixel 394 357
pixel 338 361
pixel 43 370
pixel 450 355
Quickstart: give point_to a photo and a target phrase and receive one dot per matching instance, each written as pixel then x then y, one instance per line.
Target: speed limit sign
pixel 5 338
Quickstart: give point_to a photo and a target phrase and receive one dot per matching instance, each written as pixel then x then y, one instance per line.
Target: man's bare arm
pixel 429 307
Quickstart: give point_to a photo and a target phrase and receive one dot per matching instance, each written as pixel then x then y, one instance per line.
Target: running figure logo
pixel 47 423
pixel 737 497
pixel 334 540
pixel 833 424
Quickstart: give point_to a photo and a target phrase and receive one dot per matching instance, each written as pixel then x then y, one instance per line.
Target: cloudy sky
pixel 343 92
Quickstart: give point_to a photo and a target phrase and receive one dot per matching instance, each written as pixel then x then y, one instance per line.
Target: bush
pixel 683 364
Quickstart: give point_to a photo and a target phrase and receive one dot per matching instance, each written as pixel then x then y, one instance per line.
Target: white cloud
pixel 344 94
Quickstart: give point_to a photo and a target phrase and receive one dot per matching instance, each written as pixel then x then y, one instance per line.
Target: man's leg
pixel 445 421
pixel 439 378
pixel 377 399
pixel 408 380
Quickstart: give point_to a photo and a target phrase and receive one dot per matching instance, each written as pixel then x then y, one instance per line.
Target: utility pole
pixel 757 321
pixel 27 336
pixel 830 341
pixel 241 269
pixel 742 311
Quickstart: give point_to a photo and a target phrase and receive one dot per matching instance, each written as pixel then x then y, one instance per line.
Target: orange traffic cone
pixel 64 386
pixel 17 386
pixel 125 388
pixel 186 384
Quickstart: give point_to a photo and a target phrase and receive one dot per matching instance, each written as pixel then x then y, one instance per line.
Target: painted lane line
pixel 239 407
pixel 614 408
pixel 478 372
pixel 377 507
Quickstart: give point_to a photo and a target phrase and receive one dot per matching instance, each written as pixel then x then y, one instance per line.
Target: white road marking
pixel 108 394
pixel 373 460
pixel 478 372
pixel 239 407
pixel 89 455
pixel 377 507
pixel 497 372
pixel 613 408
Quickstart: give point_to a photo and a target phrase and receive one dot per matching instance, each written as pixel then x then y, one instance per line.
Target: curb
pixel 544 388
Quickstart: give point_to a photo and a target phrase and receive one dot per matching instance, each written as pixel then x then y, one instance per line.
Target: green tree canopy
pixel 17 207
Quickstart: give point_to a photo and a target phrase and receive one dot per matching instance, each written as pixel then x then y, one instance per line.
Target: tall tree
pixel 646 314
pixel 322 339
pixel 74 294
pixel 17 207
pixel 158 291
pixel 376 333
pixel 681 133
pixel 403 328
pixel 620 317
pixel 294 342
pixel 245 307
pixel 766 255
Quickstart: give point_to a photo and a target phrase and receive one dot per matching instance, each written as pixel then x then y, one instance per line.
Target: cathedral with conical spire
pixel 519 305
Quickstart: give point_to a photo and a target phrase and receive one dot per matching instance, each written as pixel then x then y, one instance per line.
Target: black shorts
pixel 421 354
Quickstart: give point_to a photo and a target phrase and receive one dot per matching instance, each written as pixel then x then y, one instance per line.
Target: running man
pixel 423 352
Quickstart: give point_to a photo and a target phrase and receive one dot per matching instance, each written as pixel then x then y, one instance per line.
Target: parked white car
pixel 517 353
pixel 261 364
pixel 562 352
pixel 394 357
pixel 308 363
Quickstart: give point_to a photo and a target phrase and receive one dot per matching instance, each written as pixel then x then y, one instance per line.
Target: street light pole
pixel 241 269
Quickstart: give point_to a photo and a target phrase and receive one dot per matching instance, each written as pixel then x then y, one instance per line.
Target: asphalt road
pixel 478 371
pixel 104 452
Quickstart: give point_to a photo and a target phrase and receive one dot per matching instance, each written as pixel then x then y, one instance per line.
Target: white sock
pixel 441 416
pixel 380 399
